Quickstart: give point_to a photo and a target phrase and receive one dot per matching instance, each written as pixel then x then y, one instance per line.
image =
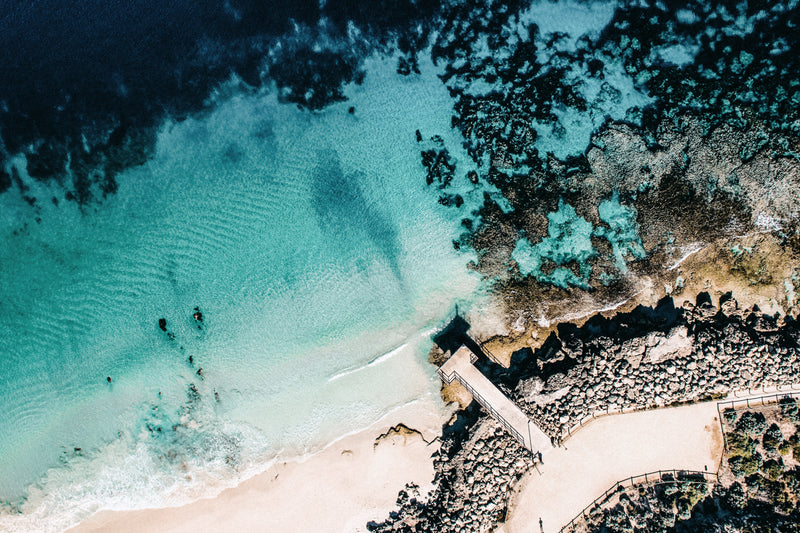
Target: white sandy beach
pixel 339 489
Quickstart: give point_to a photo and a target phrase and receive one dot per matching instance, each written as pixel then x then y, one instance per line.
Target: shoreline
pixel 352 480
pixel 356 479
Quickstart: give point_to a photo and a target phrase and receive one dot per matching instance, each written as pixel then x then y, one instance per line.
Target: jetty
pixel 460 367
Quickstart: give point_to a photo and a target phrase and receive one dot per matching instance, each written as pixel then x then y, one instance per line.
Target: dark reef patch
pixel 313 79
pixel 83 87
pixel 698 163
pixel 342 208
pixel 5 181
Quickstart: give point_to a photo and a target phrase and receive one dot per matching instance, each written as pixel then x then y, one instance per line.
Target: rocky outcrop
pixel 475 468
pixel 650 357
pixel 698 352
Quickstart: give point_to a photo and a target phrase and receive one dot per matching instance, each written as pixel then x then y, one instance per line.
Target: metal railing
pixel 764 389
pixel 656 477
pixel 608 411
pixel 486 405
pixel 748 403
pixel 489 354
pixel 785 391
pixel 646 407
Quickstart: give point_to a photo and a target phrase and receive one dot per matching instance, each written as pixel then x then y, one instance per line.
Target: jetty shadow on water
pixel 455 334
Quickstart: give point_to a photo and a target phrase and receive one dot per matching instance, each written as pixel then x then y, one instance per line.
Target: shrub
pixel 792 480
pixel 772 437
pixel 684 508
pixel 740 444
pixel 752 423
pixel 734 497
pixel 789 409
pixel 744 465
pixel 773 469
pixel 785 448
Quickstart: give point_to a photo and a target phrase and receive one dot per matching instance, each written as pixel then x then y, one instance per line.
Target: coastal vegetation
pixel 758 488
pixel 648 358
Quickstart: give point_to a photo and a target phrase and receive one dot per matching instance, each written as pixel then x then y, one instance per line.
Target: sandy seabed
pixel 340 489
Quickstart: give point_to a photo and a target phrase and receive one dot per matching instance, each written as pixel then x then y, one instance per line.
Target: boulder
pixel 662 348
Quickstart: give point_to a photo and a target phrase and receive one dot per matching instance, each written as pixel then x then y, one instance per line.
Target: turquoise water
pixel 622 231
pixel 309 242
pixel 569 241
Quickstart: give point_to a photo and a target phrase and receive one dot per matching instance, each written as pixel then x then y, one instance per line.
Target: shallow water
pixel 311 245
pixel 319 258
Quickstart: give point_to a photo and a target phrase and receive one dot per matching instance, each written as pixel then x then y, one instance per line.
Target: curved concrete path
pixel 607 450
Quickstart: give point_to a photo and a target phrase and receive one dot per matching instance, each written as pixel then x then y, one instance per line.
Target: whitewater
pixel 318 260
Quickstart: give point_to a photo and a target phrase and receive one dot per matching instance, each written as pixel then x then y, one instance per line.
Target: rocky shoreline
pixel 694 352
pixel 650 357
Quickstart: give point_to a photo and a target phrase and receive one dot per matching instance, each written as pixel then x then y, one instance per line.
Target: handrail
pixel 732 404
pixel 500 418
pixel 646 407
pixel 489 354
pixel 735 403
pixel 486 405
pixel 633 480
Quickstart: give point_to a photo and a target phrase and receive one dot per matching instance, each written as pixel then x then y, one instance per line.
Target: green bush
pixel 773 469
pixel 785 448
pixel 772 437
pixel 729 415
pixel 684 508
pixel 789 409
pixel 734 496
pixel 792 480
pixel 740 444
pixel 745 465
pixel 752 423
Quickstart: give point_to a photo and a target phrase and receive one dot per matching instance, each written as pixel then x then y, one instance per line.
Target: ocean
pixel 299 263
pixel 229 230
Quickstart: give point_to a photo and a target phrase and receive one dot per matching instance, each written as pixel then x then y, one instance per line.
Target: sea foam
pixel 311 244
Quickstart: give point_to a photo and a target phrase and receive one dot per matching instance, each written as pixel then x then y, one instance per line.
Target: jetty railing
pixel 489 354
pixel 656 477
pixel 486 405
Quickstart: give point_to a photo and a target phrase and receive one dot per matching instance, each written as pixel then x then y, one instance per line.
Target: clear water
pixel 310 243
pixel 319 259
pixel 622 231
pixel 569 240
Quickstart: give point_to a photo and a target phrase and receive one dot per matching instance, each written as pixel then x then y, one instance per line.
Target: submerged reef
pixel 86 98
pixel 642 160
pixel 629 154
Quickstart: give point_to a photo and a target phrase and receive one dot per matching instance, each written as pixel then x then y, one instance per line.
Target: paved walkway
pixel 460 367
pixel 607 450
